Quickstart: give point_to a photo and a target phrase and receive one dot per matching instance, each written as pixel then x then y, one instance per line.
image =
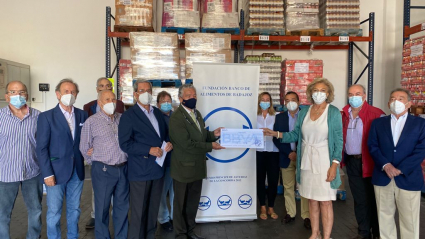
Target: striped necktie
pixel 194 120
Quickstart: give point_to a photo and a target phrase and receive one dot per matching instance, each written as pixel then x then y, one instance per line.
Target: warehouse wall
pixel 58 39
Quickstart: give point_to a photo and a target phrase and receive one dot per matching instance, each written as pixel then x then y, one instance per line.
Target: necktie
pixel 194 120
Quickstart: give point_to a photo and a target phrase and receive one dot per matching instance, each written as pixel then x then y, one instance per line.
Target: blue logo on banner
pixel 224 202
pixel 243 126
pixel 204 203
pixel 245 201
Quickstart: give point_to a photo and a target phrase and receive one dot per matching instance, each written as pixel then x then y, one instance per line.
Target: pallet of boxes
pixel 207 48
pixel 156 57
pixel 266 17
pixel 220 16
pixel 181 16
pixel 340 18
pixel 302 18
pixel 133 15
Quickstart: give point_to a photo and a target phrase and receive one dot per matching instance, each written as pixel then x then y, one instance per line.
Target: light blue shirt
pixel 292 122
pixel 353 144
pixel 151 117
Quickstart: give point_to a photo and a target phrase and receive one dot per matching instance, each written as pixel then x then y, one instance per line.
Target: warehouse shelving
pixel 263 42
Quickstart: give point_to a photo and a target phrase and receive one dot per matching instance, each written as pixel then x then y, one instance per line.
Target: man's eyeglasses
pixel 17 92
pixel 141 91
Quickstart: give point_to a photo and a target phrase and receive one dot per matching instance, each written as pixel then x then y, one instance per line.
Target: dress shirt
pixel 100 132
pixel 353 143
pixel 267 122
pixel 18 160
pixel 397 126
pixel 151 117
pixel 292 121
pixel 70 119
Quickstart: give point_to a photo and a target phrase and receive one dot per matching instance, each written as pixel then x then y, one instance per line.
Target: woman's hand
pixel 332 172
pixel 269 132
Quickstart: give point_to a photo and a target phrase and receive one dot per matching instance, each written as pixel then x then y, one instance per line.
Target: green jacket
pixel 190 146
pixel 335 141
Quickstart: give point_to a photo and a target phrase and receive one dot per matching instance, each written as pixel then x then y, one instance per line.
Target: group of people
pixel 382 155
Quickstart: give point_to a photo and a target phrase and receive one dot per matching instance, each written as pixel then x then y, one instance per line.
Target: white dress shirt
pixel 267 122
pixel 397 126
pixel 70 119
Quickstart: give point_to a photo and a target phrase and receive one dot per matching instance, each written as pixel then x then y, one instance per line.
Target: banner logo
pixel 204 203
pixel 224 202
pixel 245 201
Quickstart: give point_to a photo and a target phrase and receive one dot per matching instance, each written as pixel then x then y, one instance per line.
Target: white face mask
pixel 109 108
pixel 145 98
pixel 68 100
pixel 292 106
pixel 397 107
pixel 319 97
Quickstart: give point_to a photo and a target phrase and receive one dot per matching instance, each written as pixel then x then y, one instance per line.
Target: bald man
pixel 18 162
pixel 109 166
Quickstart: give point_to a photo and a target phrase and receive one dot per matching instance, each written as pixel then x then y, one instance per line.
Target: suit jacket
pixel 190 146
pixel 90 107
pixel 57 152
pixel 406 156
pixel 136 136
pixel 281 124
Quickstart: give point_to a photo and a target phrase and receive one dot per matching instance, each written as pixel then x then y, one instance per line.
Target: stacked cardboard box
pixel 413 70
pixel 154 55
pixel 336 15
pixel 266 14
pixel 181 13
pixel 133 13
pixel 207 47
pixel 126 82
pixel 297 74
pixel 270 74
pixel 302 15
pixel 220 14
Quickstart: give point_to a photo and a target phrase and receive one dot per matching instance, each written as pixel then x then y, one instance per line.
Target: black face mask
pixel 190 103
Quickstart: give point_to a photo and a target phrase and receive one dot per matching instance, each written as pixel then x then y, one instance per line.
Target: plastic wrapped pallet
pixel 126 82
pixel 270 74
pixel 302 15
pixel 133 12
pixel 219 6
pixel 220 56
pixel 266 15
pixel 297 74
pixel 181 13
pixel 220 20
pixel 154 55
pixel 340 18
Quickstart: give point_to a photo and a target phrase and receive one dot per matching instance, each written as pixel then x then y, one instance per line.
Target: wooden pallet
pixel 312 32
pixel 344 32
pixel 118 28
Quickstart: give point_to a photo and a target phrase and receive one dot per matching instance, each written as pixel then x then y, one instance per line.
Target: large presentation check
pixel 242 138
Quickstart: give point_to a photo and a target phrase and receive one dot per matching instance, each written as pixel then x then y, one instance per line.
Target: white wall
pixel 61 39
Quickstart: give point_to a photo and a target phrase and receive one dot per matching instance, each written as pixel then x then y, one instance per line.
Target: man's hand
pixel 217 132
pixel 156 151
pixel 217 146
pixel 168 147
pixel 292 156
pixel 90 152
pixel 391 171
pixel 50 181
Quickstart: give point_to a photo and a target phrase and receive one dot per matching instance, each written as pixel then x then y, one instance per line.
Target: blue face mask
pixel 17 101
pixel 166 107
pixel 355 101
pixel 264 105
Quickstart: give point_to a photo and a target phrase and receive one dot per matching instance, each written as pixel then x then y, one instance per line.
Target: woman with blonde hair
pixel 319 132
pixel 267 158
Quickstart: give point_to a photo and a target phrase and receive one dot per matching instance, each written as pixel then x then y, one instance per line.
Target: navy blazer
pixel 57 152
pixel 281 124
pixel 406 156
pixel 136 136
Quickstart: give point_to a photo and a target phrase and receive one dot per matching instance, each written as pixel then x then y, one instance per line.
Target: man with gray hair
pixel 18 162
pixel 143 135
pixel 397 146
pixel 357 118
pixel 109 166
pixel 61 163
pixel 191 143
pixel 92 108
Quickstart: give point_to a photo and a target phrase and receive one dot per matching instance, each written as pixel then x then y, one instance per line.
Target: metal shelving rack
pixel 271 43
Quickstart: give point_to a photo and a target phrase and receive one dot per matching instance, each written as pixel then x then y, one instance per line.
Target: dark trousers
pixel 110 181
pixel 186 202
pixel 267 165
pixel 364 197
pixel 145 197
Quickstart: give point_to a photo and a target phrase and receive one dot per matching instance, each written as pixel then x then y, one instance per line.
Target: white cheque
pixel 242 138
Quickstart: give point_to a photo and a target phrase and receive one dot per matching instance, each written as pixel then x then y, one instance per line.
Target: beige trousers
pixel 288 178
pixel 408 205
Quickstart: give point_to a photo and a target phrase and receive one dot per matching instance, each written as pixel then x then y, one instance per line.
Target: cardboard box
pixel 153 40
pixel 207 41
pixel 220 20
pixel 128 15
pixel 219 6
pixel 222 56
pixel 133 3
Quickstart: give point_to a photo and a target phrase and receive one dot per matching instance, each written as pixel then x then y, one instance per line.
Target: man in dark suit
pixel 92 108
pixel 285 122
pixel 191 142
pixel 397 146
pixel 61 162
pixel 142 132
